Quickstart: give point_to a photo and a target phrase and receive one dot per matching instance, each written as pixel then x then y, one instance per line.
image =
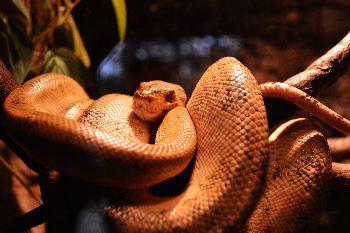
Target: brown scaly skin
pixel 230 162
pixel 297 179
pixel 53 110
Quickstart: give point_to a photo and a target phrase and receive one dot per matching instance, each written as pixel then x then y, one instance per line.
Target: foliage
pixel 41 36
pixel 120 12
pixel 18 47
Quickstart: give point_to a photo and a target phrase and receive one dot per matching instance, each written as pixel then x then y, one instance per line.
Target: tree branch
pixel 341 171
pixel 7 82
pixel 325 70
pixel 7 85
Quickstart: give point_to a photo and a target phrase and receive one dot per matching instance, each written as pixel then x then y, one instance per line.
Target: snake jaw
pixel 145 114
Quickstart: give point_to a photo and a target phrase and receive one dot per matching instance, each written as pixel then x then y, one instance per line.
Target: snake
pixel 241 178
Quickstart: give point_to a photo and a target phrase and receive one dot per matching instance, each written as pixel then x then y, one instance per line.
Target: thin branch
pixel 341 171
pixel 339 147
pixel 63 12
pixel 7 82
pixel 19 178
pixel 69 6
pixel 325 70
pixel 7 85
pixel 27 221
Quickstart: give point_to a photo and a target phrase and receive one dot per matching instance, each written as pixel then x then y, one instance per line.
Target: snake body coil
pixel 59 126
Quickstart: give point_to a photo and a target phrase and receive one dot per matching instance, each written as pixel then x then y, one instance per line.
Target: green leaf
pixel 54 64
pixel 120 12
pixel 79 47
pixel 22 8
pixel 64 61
pixel 18 47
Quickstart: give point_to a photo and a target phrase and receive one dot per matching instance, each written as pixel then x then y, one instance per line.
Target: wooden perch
pixel 340 147
pixel 7 85
pixel 341 171
pixel 325 70
pixel 7 82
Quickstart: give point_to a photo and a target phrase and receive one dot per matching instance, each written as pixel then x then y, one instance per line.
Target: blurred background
pixel 172 41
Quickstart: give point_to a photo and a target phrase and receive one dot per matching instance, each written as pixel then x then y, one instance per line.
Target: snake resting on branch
pixel 241 179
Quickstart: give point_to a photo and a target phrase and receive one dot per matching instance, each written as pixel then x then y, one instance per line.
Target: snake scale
pixel 241 180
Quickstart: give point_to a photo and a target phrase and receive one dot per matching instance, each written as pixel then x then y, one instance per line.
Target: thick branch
pixel 340 147
pixel 7 85
pixel 341 171
pixel 7 82
pixel 325 70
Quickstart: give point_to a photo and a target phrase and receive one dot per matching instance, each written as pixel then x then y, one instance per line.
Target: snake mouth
pixel 143 109
pixel 146 114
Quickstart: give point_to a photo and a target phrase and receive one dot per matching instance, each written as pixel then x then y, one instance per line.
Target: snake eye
pixel 170 96
pixel 141 85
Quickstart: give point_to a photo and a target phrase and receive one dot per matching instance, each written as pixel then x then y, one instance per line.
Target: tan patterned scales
pixel 224 126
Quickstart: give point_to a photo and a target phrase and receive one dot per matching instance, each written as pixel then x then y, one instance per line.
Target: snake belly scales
pixel 224 125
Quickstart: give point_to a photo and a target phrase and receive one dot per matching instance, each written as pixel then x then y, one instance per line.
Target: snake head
pixel 153 99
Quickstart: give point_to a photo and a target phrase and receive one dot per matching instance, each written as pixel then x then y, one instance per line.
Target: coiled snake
pixel 240 180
